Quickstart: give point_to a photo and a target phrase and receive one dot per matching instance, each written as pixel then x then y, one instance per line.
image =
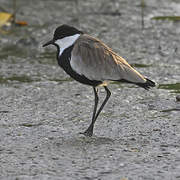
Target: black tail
pixel 147 85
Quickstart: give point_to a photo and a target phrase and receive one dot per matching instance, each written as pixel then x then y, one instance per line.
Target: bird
pixel 90 61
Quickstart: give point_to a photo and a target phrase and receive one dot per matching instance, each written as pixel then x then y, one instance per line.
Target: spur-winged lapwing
pixel 89 61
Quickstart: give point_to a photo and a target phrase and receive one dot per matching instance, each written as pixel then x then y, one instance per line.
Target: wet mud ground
pixel 42 110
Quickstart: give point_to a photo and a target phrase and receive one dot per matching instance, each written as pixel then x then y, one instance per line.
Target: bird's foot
pixel 88 132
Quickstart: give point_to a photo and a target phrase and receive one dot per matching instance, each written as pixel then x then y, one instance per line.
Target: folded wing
pixel 96 61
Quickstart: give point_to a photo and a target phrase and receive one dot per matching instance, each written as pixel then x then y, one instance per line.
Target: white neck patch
pixel 66 42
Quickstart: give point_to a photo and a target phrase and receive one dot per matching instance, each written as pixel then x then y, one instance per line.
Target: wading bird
pixel 89 61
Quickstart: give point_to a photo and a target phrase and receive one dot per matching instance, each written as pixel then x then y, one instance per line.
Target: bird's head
pixel 64 35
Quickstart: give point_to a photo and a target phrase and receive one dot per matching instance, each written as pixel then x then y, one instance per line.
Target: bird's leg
pixel 89 131
pixel 108 94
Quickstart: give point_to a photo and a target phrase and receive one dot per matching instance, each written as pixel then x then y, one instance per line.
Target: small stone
pixel 178 98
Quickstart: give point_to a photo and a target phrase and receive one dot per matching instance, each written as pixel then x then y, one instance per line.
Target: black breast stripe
pixel 64 62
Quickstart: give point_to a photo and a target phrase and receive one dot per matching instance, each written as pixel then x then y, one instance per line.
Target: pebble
pixel 178 98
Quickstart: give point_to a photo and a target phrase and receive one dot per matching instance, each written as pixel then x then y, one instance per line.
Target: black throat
pixel 64 61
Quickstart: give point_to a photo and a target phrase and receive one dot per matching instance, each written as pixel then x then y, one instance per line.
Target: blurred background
pixel 42 109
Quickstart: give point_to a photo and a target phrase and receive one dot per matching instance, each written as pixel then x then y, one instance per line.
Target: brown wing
pixel 93 59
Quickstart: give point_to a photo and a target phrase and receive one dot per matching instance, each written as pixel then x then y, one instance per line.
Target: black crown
pixel 64 31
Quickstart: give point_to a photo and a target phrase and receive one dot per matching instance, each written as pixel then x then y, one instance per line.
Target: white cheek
pixel 66 42
pixel 60 44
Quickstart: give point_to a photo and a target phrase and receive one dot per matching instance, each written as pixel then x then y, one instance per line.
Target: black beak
pixel 48 43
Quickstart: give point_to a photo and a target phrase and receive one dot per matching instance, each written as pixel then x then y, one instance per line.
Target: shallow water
pixel 42 110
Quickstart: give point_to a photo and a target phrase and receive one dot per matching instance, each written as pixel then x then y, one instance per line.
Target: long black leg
pixel 108 94
pixel 89 131
pixel 96 100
